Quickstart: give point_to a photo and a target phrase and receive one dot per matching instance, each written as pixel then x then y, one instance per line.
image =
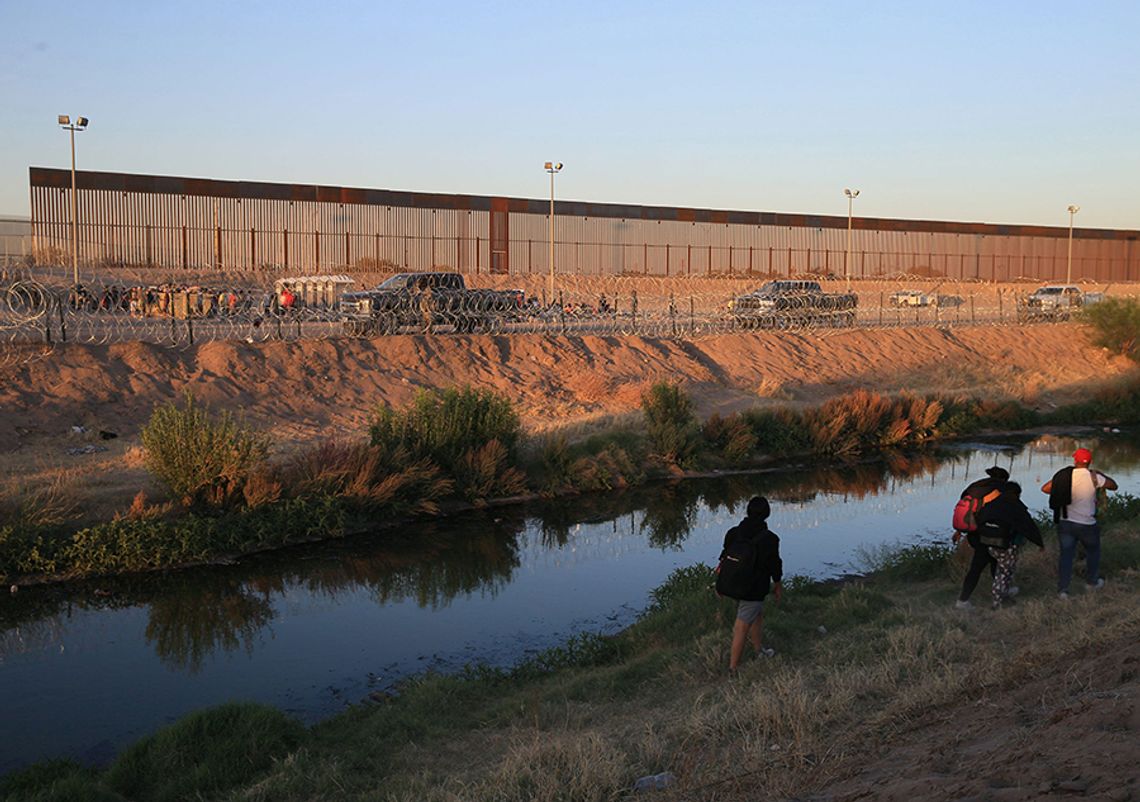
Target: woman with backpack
pixel 750 566
pixel 1003 526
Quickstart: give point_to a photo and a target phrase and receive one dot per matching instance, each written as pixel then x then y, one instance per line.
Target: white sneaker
pixel 963 605
pixel 1063 595
pixel 1013 591
pixel 766 652
pixel 1097 585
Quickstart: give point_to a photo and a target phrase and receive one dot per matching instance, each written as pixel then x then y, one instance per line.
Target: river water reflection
pixel 88 669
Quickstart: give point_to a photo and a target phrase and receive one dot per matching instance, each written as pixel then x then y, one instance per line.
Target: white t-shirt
pixel 1082 509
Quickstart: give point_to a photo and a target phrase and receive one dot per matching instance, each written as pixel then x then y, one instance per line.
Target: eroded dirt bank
pixel 303 389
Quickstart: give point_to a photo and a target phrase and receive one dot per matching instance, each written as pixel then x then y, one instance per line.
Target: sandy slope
pixel 305 388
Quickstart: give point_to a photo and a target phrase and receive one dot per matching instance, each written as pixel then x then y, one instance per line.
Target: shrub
pixel 1116 322
pixel 670 422
pixel 56 781
pixel 444 426
pixel 731 436
pixel 779 432
pixel 602 462
pixel 1119 404
pixel 206 753
pixel 203 459
pixel 484 473
pixel 912 562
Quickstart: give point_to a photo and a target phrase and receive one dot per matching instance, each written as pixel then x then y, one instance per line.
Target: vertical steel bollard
pixel 62 326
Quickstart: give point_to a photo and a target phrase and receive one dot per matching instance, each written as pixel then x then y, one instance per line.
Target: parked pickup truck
pixel 792 302
pixel 1058 301
pixel 425 300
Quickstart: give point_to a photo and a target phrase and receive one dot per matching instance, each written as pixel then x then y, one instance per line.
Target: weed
pixel 203 459
pixel 445 426
pixel 670 423
pixel 1116 322
pixel 894 562
pixel 732 437
pixel 56 781
pixel 781 432
pixel 206 753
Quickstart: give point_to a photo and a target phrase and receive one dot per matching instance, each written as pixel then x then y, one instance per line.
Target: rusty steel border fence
pixel 181 262
pixel 192 224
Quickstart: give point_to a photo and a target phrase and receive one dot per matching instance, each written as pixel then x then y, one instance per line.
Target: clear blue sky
pixel 980 111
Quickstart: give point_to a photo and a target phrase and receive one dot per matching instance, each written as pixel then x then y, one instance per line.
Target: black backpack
pixel 739 565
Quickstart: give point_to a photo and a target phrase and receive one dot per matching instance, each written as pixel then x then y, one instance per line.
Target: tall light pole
pixel 79 125
pixel 552 168
pixel 1073 209
pixel 851 194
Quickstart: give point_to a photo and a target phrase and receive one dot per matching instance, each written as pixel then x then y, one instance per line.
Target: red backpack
pixel 966 510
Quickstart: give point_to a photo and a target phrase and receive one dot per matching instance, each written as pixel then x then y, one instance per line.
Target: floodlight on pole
pixel 80 124
pixel 1073 209
pixel 851 194
pixel 552 168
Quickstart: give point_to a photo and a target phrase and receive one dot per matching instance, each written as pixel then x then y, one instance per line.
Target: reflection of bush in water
pixel 187 626
pixel 449 567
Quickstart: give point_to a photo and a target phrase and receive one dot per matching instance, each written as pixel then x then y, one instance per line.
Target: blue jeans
pixel 1088 535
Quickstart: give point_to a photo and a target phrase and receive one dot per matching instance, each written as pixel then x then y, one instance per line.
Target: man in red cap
pixel 1072 497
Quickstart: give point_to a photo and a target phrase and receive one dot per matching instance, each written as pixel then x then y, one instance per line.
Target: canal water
pixel 87 669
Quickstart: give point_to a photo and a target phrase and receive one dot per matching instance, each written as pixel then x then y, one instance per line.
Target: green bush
pixel 1118 404
pixel 779 432
pixel 206 753
pixel 446 428
pixel 1117 325
pixel 670 423
pixel 55 781
pixel 602 462
pixel 731 437
pixel 203 459
pixel 962 416
pixel 913 562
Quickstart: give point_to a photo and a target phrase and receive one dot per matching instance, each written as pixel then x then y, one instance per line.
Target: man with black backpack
pixel 750 566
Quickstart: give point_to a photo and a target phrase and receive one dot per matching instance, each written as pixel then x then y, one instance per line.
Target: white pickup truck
pixel 1058 301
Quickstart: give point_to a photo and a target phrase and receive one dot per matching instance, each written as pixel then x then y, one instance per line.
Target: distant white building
pixel 15 236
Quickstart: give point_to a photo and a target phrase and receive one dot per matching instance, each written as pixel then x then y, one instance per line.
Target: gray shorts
pixel 749 611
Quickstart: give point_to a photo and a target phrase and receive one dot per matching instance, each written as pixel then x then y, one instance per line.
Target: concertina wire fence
pixel 42 306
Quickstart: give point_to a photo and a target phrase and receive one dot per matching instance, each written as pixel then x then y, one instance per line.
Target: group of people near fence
pixel 162 300
pixel 990 516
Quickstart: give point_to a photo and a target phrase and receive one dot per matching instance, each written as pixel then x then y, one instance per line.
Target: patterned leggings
pixel 1003 576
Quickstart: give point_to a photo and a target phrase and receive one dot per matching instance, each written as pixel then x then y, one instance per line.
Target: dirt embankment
pixel 306 389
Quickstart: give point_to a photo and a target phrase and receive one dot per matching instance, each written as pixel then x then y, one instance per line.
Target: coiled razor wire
pixel 42 307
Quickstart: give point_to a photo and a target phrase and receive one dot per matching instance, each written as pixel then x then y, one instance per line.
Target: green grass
pixel 584 719
pixel 205 754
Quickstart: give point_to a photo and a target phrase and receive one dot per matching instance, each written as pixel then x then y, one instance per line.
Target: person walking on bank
pixel 1072 497
pixel 750 566
pixel 981 492
pixel 1004 525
